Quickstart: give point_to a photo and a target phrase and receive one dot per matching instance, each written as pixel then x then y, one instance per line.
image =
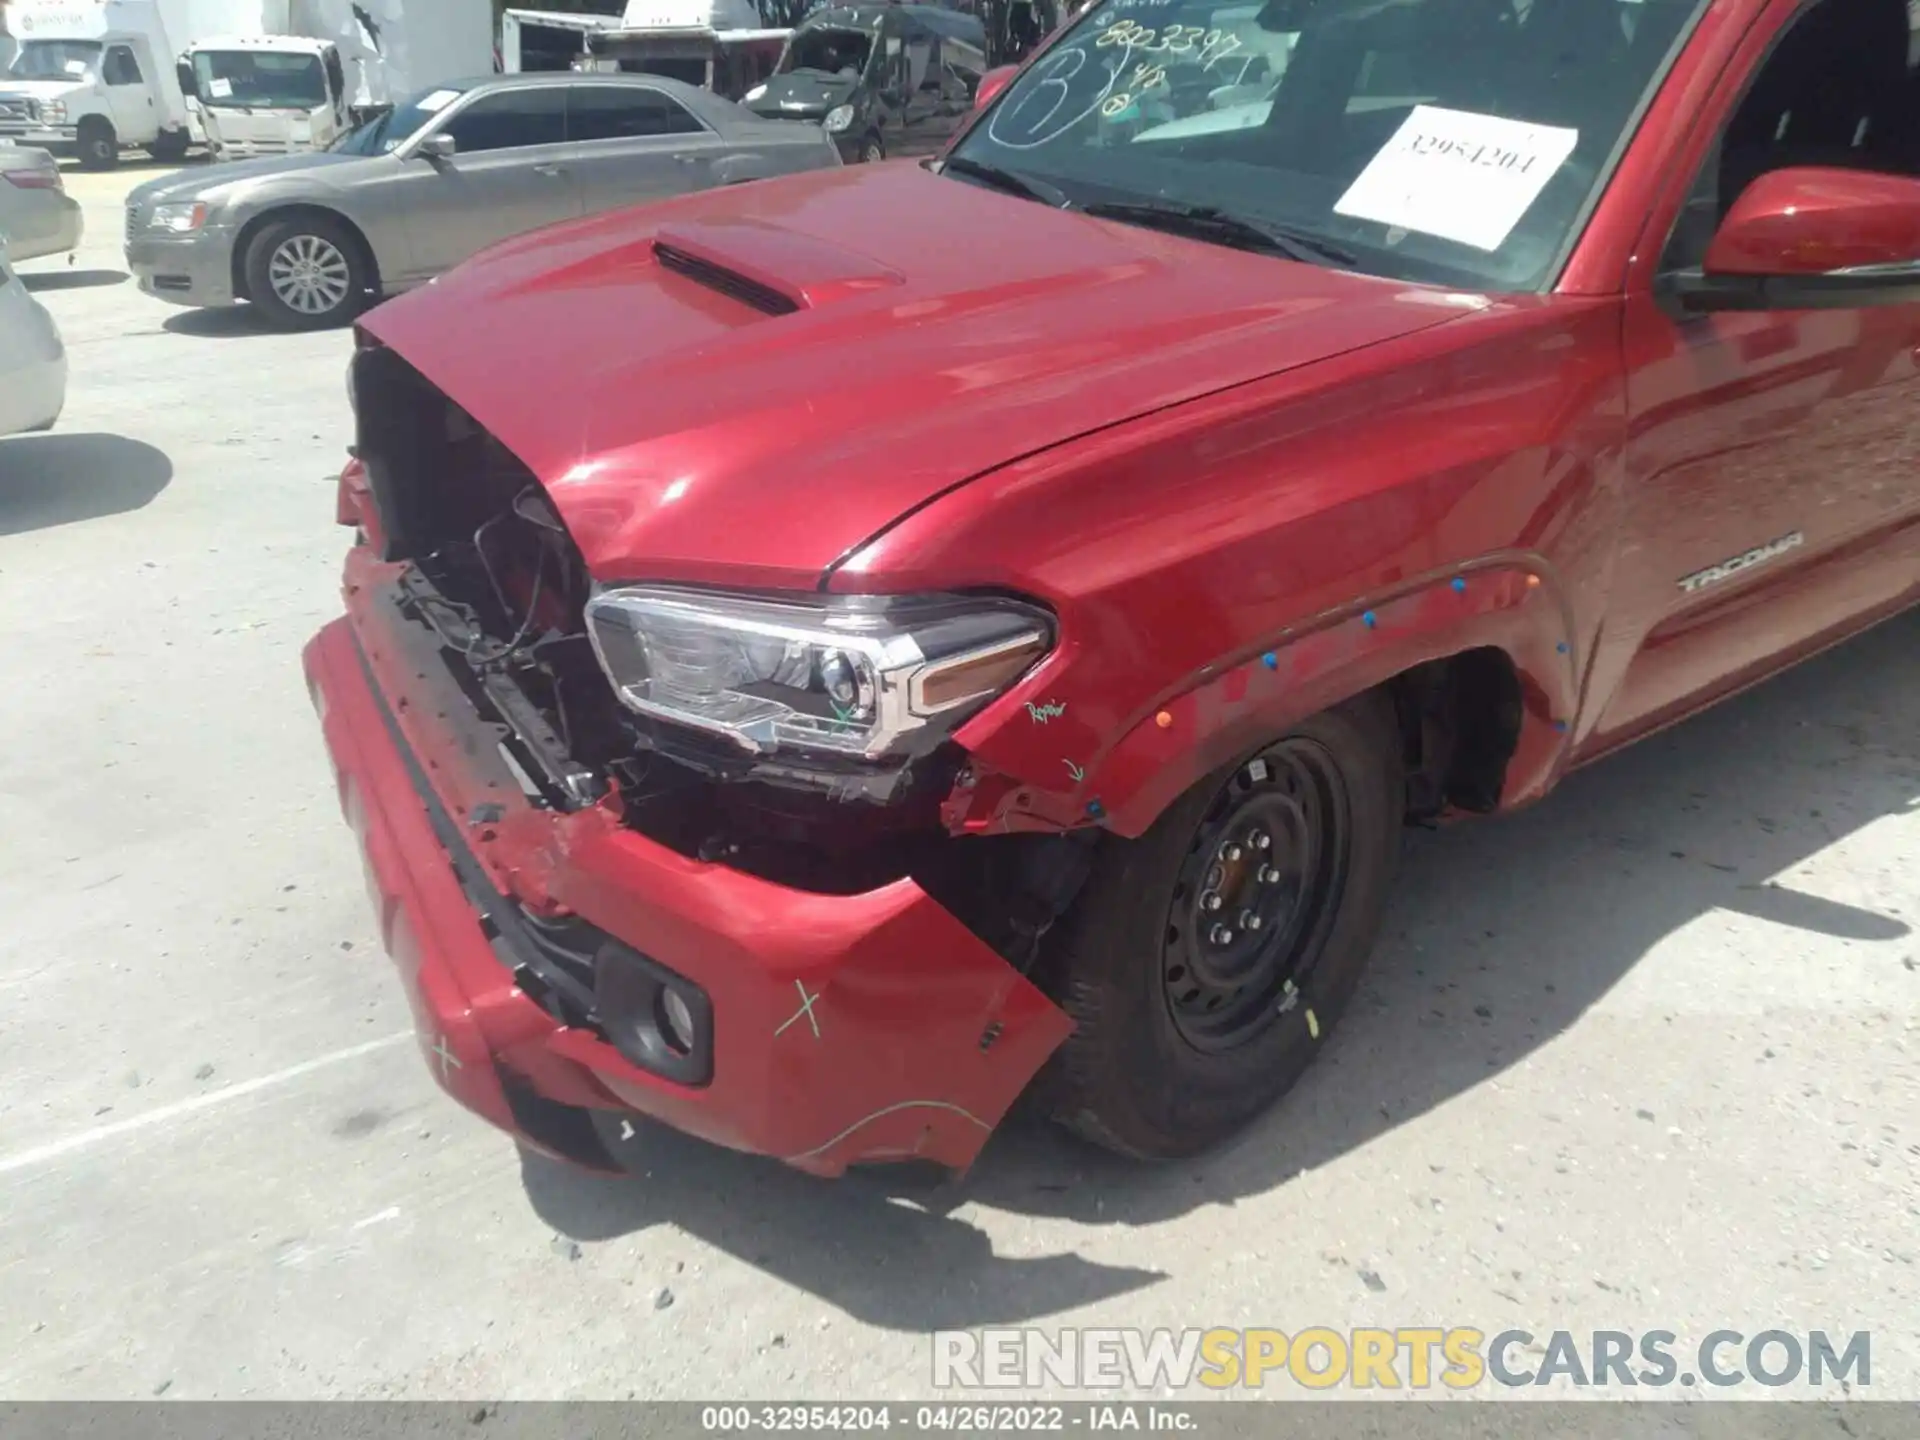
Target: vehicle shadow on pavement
pixel 232 322
pixel 1502 936
pixel 44 281
pixel 49 480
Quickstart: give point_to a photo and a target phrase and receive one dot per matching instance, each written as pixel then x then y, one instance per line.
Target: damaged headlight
pixel 845 675
pixel 839 118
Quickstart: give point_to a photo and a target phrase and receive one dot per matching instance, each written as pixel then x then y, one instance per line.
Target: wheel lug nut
pixel 1230 853
pixel 1250 920
pixel 1261 840
pixel 1210 900
pixel 1214 876
pixel 1220 935
pixel 1268 875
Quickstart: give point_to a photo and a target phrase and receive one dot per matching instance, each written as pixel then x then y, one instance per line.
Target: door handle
pixel 551 171
pixel 686 159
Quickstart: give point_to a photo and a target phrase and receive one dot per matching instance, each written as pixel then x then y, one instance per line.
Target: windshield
pixel 55 60
pixel 1450 141
pixel 827 50
pixel 379 136
pixel 260 79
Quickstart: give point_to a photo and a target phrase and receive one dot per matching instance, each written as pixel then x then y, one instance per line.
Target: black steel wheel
pixel 1205 963
pixel 1257 896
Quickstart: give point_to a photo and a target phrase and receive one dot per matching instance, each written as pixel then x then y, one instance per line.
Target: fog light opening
pixel 658 1020
pixel 676 1021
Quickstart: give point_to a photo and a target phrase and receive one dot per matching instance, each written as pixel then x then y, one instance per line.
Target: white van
pixel 92 79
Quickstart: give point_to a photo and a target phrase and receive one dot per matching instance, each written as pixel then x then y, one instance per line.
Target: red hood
pixel 940 330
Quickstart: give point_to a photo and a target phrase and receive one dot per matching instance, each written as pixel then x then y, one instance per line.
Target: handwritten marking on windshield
pixel 1211 46
pixel 1051 79
pixel 1048 109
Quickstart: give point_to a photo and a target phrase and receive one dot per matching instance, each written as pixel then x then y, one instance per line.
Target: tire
pixel 1143 1074
pixel 170 146
pixel 99 146
pixel 872 149
pixel 307 273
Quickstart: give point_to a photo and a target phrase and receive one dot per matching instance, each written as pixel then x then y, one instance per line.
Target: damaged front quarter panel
pixel 850 1024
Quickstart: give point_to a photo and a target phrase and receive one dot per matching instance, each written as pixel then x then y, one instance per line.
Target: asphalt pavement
pixel 1643 1057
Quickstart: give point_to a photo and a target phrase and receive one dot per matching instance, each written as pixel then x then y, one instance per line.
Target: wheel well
pixel 1460 723
pixel 90 123
pixel 243 242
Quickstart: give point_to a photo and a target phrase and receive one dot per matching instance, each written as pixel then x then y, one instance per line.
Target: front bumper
pixel 61 140
pixel 844 1028
pixel 192 269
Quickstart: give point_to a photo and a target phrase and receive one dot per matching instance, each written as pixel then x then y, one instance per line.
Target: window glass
pixel 266 79
pixel 120 68
pixel 511 119
pixel 1454 141
pixel 828 50
pixel 55 60
pixel 606 112
pixel 378 136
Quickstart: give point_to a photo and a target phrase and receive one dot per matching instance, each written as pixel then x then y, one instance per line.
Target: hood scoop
pixel 768 268
pixel 731 283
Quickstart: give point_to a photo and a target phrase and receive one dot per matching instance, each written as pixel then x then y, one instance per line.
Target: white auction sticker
pixel 439 100
pixel 1457 175
pixel 220 89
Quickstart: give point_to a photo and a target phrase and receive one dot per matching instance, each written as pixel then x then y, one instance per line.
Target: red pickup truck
pixel 824 656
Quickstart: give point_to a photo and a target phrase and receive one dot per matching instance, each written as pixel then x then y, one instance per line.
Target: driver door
pixel 1771 499
pixel 509 174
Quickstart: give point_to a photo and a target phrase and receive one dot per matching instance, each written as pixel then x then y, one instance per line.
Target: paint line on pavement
pixel 54 1149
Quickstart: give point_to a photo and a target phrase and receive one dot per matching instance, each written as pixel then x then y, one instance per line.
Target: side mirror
pixel 991 84
pixel 1813 239
pixel 438 146
pixel 188 81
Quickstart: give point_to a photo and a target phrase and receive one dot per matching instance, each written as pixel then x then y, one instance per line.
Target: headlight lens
pixel 54 112
pixel 838 118
pixel 180 219
pixel 854 676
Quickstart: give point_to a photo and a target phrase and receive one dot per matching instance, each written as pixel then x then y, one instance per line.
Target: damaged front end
pixel 742 790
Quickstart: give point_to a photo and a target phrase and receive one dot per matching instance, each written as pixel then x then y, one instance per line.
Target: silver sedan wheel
pixel 309 275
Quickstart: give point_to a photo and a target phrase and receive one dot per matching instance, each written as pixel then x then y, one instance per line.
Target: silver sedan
pixel 311 240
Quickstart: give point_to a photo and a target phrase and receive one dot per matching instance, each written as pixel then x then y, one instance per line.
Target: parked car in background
pixel 866 641
pixel 33 362
pixel 93 80
pixel 37 216
pixel 311 240
pixel 880 79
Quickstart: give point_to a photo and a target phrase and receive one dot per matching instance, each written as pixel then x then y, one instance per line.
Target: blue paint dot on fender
pixel 1369 620
pixel 1561 726
pixel 1270 660
pixel 1459 585
pixel 1095 809
pixel 1561 647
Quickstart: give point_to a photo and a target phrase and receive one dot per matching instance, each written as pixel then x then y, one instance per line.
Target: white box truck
pixel 313 68
pixel 95 77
